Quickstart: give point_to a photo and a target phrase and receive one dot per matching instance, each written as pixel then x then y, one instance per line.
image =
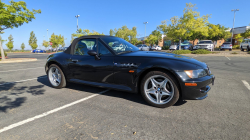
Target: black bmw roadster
pixel 111 62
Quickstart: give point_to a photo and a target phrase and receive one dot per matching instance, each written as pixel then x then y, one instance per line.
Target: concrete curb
pixel 17 60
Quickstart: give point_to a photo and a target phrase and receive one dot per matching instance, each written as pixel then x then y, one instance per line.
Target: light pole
pixel 77 20
pixel 145 29
pixel 47 35
pixel 233 10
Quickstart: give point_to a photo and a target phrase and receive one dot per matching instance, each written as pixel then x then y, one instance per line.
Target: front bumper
pixel 198 92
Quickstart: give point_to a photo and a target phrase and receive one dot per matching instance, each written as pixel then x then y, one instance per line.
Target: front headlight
pixel 196 73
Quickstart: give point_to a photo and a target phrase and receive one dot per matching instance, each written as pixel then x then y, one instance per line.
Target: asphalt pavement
pixel 31 109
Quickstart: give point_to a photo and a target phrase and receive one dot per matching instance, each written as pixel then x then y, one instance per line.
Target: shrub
pixel 249 52
pixel 236 46
pixel 165 47
pixel 4 54
pixel 201 52
pixel 181 52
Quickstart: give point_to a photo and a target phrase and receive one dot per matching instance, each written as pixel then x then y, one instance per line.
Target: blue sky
pixel 102 15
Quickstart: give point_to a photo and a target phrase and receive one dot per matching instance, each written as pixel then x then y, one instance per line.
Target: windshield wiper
pixel 124 52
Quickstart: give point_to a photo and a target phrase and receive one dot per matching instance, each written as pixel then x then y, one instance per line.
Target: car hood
pixel 164 55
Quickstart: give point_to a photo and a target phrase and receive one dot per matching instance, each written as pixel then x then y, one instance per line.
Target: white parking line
pixel 227 58
pixel 246 84
pixel 22 69
pixel 49 112
pixel 23 80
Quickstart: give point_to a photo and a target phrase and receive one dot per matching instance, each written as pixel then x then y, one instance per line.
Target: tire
pixel 241 49
pixel 168 92
pixel 54 80
pixel 248 49
pixel 230 49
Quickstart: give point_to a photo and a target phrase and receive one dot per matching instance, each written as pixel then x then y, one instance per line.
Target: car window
pixel 139 45
pixel 83 46
pixel 144 45
pixel 102 50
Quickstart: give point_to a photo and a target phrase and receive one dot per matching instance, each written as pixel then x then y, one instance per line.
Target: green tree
pixel 217 32
pixel 45 43
pixel 246 34
pixel 33 40
pixel 151 39
pixel 10 43
pixel 183 27
pixel 83 32
pixel 14 15
pixel 111 32
pixel 56 40
pixel 22 46
pixel 126 33
pixel 239 38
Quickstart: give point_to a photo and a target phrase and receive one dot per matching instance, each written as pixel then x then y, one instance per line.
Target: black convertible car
pixel 112 62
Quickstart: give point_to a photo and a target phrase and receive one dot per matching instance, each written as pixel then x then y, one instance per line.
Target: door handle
pixel 74 60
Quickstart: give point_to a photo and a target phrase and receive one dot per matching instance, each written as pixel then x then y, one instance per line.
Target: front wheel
pixel 56 77
pixel 241 49
pixel 159 89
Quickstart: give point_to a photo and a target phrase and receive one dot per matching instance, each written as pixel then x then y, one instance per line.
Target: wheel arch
pixel 158 69
pixel 56 63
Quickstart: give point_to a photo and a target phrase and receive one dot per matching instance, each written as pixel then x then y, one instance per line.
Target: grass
pixel 181 52
pixel 201 52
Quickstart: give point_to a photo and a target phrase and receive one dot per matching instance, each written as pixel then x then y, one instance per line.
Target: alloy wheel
pixel 54 76
pixel 159 89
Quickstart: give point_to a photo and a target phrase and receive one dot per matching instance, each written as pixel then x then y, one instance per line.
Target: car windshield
pixel 185 43
pixel 205 42
pixel 119 45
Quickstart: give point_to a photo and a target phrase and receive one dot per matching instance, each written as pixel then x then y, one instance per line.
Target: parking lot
pixel 31 109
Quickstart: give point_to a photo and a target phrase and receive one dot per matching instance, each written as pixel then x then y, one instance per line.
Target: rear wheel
pixel 248 49
pixel 159 89
pixel 230 49
pixel 56 77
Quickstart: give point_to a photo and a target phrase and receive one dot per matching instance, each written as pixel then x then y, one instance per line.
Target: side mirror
pixel 94 53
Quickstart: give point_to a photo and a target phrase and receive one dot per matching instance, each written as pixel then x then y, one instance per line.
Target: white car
pixel 245 45
pixel 226 45
pixel 204 44
pixel 173 47
pixel 157 48
pixel 143 47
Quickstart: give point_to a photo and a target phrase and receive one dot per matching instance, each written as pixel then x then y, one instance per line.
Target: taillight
pixel 230 45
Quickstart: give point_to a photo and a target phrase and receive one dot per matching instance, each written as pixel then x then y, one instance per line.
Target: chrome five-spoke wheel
pixel 160 89
pixel 56 76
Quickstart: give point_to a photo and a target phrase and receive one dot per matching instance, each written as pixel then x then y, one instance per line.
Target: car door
pixel 88 68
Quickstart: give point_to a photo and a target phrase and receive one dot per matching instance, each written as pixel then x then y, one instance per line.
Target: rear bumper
pixel 198 92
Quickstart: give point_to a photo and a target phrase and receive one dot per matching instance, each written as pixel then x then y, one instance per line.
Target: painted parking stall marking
pixel 49 112
pixel 246 84
pixel 23 80
pixel 22 69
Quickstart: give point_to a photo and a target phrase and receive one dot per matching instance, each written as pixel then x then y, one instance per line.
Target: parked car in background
pixel 186 46
pixel 245 45
pixel 143 47
pixel 204 44
pixel 173 47
pixel 39 51
pixel 226 45
pixel 157 48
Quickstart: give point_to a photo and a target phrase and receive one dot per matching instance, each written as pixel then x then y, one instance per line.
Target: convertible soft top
pixel 71 48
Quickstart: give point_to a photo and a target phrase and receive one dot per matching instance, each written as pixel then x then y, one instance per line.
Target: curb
pixel 18 60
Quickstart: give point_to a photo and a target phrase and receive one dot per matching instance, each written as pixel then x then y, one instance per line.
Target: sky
pixel 58 16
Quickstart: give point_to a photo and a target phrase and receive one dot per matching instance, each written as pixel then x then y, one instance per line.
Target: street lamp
pixel 77 20
pixel 145 29
pixel 47 35
pixel 233 10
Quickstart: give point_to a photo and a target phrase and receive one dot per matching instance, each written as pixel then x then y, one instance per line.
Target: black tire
pixel 248 49
pixel 173 81
pixel 63 80
pixel 230 49
pixel 241 49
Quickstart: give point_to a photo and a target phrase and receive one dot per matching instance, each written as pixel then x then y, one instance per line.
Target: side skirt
pixel 104 85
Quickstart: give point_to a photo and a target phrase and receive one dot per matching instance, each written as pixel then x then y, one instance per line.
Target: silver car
pixel 226 45
pixel 173 47
pixel 143 47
